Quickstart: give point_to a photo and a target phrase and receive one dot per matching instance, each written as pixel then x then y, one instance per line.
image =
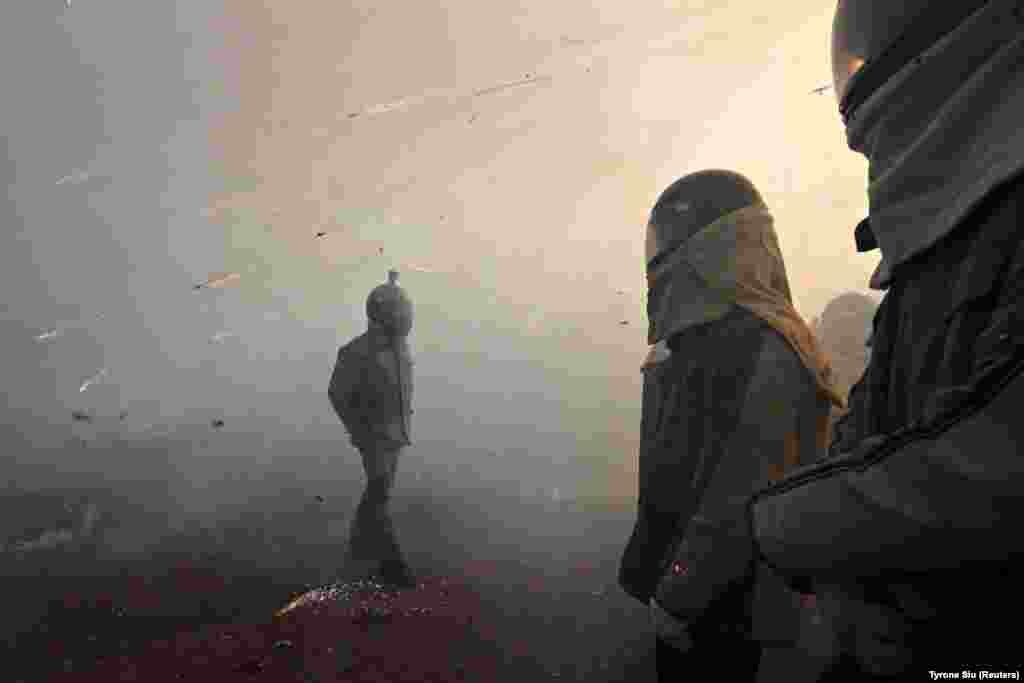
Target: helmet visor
pixel 863 29
pixel 848 46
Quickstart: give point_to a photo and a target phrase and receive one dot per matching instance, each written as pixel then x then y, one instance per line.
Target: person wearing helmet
pixel 736 391
pixel 371 392
pixel 844 330
pixel 910 530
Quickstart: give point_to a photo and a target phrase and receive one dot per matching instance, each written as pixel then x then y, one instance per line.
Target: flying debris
pixel 154 430
pixel 221 336
pixel 75 178
pixel 395 105
pixel 123 415
pixel 821 90
pixel 217 424
pixel 321 234
pixel 380 250
pixel 407 102
pixel 420 269
pixel 319 498
pixel 623 322
pixel 81 416
pixel 530 79
pixel 571 42
pixel 64 327
pixel 47 541
pixel 92 380
pixel 52 334
pixel 218 281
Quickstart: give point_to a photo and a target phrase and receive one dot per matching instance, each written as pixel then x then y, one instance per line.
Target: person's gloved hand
pixel 669 629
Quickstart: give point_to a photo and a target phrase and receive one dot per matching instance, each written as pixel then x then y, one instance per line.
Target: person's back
pixel 371 392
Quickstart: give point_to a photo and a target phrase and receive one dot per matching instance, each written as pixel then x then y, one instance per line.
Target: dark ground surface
pixel 531 584
pixel 541 574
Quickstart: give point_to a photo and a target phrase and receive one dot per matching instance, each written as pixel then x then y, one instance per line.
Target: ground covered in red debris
pixel 528 595
pixel 357 632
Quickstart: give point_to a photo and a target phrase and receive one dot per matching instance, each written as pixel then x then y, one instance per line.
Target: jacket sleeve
pixel 716 552
pixel 656 524
pixel 343 390
pixel 915 501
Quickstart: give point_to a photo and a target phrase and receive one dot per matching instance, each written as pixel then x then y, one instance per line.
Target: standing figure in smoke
pixel 736 391
pixel 844 330
pixel 371 391
pixel 910 531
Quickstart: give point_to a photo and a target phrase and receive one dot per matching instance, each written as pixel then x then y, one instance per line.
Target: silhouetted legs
pixel 373 544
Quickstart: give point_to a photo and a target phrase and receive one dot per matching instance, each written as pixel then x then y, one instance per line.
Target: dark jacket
pixel 912 528
pixel 725 413
pixel 371 391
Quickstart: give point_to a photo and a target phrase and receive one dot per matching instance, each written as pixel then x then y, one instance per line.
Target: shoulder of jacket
pixel 356 347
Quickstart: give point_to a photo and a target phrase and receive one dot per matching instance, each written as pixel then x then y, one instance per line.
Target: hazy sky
pixel 150 145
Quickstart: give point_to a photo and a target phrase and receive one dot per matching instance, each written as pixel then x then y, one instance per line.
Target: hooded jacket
pixel 371 391
pixel 912 527
pixel 942 133
pixel 371 386
pixel 729 403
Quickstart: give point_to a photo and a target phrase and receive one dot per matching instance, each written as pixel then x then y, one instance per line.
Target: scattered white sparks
pixel 74 178
pixel 92 380
pixel 452 94
pixel 367 597
pixel 52 334
pixel 64 327
pixel 403 103
pixel 48 540
pixel 528 80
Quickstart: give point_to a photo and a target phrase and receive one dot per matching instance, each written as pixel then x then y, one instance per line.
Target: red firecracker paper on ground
pixel 358 632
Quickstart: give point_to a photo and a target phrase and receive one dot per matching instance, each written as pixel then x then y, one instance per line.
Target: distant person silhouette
pixel 371 392
pixel 844 330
